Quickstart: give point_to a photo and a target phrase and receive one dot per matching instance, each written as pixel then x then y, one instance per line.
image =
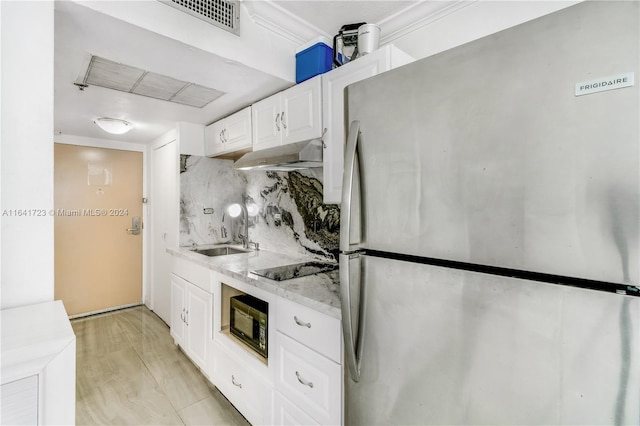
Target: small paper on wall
pixel 99 174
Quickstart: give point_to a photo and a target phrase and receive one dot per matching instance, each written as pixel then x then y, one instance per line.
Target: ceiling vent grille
pixel 224 14
pixel 112 75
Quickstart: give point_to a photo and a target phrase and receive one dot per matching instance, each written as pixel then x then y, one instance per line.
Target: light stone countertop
pixel 320 292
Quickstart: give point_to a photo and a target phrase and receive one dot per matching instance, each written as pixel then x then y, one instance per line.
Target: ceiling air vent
pixel 224 14
pixel 112 75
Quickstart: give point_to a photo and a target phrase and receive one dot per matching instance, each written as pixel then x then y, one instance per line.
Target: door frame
pixel 124 146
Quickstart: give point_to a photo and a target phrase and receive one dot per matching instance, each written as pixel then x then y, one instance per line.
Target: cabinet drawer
pixel 285 413
pixel 195 274
pixel 318 331
pixel 248 392
pixel 312 382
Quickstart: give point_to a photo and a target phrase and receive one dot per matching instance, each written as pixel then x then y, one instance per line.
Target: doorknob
pixel 135 226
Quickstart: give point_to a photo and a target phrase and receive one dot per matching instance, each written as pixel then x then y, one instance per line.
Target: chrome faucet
pixel 223 229
pixel 244 236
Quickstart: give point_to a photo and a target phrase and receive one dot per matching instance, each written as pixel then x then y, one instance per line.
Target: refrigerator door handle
pixel 351 302
pixel 350 224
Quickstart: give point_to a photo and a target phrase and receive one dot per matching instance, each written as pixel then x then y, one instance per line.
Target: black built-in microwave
pixel 249 321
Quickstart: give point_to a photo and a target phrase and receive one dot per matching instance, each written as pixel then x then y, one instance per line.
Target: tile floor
pixel 129 372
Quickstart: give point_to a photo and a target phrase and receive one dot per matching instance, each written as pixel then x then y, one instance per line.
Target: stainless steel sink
pixel 219 251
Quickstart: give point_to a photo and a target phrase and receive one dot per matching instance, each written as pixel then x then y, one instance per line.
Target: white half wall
pixel 26 56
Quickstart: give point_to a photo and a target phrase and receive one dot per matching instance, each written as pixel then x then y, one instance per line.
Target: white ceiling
pixel 330 15
pixel 81 32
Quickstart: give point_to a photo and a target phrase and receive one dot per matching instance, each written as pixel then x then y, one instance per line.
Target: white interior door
pixel 98 202
pixel 165 206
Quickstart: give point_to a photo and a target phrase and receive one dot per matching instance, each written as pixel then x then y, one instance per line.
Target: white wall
pixel 467 21
pixel 256 47
pixel 26 56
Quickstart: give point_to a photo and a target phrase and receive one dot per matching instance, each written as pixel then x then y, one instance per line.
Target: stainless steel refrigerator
pixel 489 235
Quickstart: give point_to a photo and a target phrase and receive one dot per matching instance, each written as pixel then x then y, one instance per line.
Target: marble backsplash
pixel 291 218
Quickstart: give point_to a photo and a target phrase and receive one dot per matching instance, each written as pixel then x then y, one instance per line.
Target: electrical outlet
pixel 208 210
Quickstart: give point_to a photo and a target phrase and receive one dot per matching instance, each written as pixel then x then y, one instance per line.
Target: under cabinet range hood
pixel 300 155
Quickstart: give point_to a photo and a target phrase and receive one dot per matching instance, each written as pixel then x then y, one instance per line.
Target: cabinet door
pixel 237 134
pixel 266 123
pixel 198 318
pixel 214 139
pixel 178 309
pixel 335 121
pixel 333 114
pixel 302 111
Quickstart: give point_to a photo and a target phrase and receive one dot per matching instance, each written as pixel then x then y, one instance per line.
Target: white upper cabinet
pixel 265 115
pixel 333 85
pixel 301 116
pixel 293 115
pixel 231 134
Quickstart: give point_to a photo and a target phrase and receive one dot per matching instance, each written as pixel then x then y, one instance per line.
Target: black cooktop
pixel 287 272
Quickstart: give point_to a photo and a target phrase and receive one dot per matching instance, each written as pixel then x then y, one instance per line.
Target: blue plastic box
pixel 313 58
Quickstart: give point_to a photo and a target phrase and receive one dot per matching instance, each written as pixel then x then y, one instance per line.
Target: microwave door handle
pixel 350 220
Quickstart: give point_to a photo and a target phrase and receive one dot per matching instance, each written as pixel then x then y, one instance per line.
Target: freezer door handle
pixel 350 218
pixel 351 298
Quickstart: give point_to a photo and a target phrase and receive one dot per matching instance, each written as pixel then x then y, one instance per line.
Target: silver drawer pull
pixel 235 383
pixel 303 381
pixel 302 323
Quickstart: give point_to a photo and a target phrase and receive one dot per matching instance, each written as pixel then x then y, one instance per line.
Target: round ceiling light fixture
pixel 113 125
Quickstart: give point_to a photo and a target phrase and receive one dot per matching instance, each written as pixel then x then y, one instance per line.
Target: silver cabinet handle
pixel 277 118
pixel 224 135
pixel 182 315
pixel 302 323
pixel 284 122
pixel 235 383
pixel 186 317
pixel 221 138
pixel 303 381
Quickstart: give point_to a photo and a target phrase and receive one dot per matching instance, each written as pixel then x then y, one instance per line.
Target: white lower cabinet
pixel 249 391
pixel 309 380
pixel 191 319
pixel 318 331
pixel 300 383
pixel 308 364
pixel 287 413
